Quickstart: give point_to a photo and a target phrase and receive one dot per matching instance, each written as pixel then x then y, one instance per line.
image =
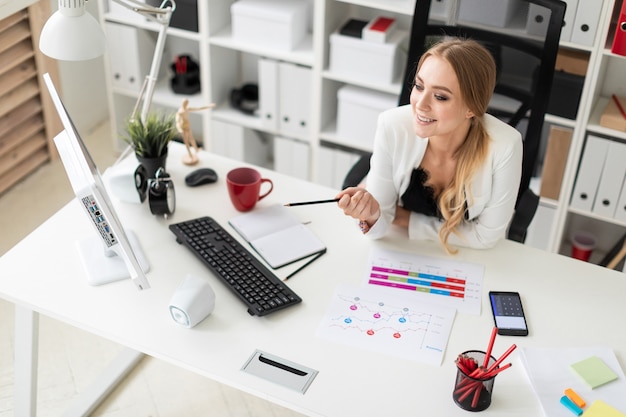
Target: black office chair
pixel 532 101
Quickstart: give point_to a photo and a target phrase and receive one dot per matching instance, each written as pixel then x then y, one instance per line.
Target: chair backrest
pixel 539 52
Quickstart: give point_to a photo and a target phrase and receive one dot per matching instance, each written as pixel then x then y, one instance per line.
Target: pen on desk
pixel 306 203
pixel 619 105
pixel 310 261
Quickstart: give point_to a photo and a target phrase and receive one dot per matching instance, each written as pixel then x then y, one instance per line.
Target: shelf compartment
pixel 301 54
pixel 405 7
pixel 391 88
pixel 606 234
pixel 594 120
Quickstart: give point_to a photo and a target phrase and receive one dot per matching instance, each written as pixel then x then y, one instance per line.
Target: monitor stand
pixel 104 266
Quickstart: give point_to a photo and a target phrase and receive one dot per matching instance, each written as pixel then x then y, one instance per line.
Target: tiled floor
pixel 69 358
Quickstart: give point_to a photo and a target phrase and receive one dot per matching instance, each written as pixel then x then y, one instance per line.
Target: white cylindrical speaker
pixel 193 300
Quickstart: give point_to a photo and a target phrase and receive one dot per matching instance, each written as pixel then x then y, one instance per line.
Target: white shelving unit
pixel 227 63
pixel 605 76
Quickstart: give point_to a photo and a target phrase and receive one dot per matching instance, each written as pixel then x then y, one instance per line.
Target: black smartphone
pixel 508 313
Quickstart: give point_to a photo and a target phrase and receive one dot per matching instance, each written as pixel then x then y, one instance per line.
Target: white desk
pixel 567 302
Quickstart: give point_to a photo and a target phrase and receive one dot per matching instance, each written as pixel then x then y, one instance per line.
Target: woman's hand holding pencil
pixel 359 204
pixel 355 202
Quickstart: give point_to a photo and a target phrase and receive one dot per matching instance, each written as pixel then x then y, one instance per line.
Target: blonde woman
pixel 442 167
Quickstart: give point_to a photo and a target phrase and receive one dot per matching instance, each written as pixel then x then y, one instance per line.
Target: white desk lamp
pixel 71 34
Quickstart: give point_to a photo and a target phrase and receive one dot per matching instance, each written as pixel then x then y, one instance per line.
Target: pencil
pixel 619 106
pixel 501 358
pixel 307 263
pixel 306 203
pixel 492 339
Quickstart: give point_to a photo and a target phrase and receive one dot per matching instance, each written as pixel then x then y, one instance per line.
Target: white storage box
pixel 373 61
pixel 491 12
pixel 279 24
pixel 357 114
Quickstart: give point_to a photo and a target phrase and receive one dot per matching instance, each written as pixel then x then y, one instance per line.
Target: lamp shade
pixel 72 34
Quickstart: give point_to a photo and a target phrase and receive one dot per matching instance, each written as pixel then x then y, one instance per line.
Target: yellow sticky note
pixel 594 371
pixel 601 409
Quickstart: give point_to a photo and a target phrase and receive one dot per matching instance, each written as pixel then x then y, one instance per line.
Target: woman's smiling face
pixel 438 107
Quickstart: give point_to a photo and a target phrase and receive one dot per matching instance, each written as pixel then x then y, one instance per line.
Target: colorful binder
pixel 619 40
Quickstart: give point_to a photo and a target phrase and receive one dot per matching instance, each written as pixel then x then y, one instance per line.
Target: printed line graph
pixel 376 318
pixel 388 322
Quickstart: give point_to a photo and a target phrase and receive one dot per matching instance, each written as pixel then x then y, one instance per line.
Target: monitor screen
pixel 112 253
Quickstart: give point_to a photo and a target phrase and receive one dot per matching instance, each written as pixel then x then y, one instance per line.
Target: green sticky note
pixel 594 371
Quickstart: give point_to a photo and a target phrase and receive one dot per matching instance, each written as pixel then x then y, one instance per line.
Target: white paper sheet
pixel 389 322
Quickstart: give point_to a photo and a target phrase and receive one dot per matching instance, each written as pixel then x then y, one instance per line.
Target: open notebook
pixel 277 235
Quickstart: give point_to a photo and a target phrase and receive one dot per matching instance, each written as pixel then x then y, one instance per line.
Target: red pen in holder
pixel 472 389
pixel 475 376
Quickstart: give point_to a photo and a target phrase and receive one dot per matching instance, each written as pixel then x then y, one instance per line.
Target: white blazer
pixel 397 151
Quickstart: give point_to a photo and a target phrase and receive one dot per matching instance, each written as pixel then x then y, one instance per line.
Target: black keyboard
pixel 261 290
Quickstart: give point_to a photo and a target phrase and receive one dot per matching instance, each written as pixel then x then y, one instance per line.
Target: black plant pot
pixel 152 164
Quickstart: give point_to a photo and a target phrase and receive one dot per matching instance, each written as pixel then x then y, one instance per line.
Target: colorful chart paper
pixel 438 281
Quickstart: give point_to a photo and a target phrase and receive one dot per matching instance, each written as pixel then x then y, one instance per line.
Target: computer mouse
pixel 201 176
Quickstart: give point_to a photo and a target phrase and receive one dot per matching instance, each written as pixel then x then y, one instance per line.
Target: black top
pixel 420 197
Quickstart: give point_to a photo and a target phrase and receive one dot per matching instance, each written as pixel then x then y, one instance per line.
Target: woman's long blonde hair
pixel 475 69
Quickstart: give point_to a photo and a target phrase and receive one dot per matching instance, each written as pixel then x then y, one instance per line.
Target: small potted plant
pixel 150 139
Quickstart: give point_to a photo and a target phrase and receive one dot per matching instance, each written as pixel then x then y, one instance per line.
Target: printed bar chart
pixel 440 281
pixel 416 281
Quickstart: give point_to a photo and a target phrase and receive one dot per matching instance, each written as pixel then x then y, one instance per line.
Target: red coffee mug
pixel 244 187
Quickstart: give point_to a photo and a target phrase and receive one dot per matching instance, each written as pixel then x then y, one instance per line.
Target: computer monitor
pixel 110 254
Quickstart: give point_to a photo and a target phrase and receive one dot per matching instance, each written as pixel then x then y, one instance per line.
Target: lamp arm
pixel 151 78
pixel 162 15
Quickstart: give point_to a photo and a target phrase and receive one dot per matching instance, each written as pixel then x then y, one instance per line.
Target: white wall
pixel 83 85
pixel 8 7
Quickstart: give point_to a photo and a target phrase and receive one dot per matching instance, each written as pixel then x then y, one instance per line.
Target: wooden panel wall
pixel 28 122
